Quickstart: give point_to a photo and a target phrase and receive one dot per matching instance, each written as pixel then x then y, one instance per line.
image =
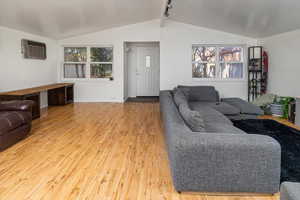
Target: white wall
pixel 284 63
pixel 17 72
pixel 176 41
pixel 176 57
pixel 105 90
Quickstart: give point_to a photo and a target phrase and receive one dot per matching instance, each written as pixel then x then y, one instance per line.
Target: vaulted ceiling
pixel 254 18
pixel 63 18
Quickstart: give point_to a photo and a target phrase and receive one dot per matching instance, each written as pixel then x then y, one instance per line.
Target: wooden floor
pixel 100 151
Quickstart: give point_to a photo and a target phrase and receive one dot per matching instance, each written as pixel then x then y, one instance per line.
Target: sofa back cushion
pixel 244 106
pixel 180 97
pixel 201 93
pixel 193 119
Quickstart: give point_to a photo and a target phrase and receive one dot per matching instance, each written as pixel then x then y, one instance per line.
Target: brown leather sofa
pixel 15 122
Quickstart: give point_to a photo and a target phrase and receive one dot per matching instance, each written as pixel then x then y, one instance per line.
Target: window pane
pixel 102 54
pixel 74 70
pixel 232 70
pixel 101 70
pixel 204 54
pixel 148 61
pixel 204 70
pixel 75 54
pixel 231 54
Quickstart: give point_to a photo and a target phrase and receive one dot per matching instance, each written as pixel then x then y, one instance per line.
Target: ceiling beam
pixel 163 17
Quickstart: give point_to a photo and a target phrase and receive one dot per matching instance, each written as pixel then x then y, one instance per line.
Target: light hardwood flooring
pixel 102 151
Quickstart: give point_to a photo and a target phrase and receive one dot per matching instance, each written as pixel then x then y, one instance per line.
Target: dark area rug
pixel 143 99
pixel 289 139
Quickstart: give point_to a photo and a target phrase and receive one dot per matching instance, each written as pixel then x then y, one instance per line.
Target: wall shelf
pixel 257 73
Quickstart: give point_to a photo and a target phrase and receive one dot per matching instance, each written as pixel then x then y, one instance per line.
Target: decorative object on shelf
pixel 264 102
pixel 286 102
pixel 277 109
pixel 257 72
pixel 284 107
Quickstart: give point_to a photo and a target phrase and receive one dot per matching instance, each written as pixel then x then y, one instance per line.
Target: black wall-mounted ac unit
pixel 33 50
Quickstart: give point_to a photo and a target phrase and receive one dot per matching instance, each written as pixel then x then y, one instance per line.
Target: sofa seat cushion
pixel 201 93
pixel 209 114
pixel 222 107
pixel 244 106
pixel 222 128
pixel 12 120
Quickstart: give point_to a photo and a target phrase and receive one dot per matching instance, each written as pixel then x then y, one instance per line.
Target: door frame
pixel 128 48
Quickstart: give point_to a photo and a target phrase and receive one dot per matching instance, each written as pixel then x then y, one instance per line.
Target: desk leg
pixel 56 97
pixel 61 96
pixel 69 94
pixel 36 109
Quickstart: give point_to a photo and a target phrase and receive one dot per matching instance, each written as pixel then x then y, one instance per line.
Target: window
pixel 148 61
pixel 88 62
pixel 219 62
pixel 101 62
pixel 75 62
pixel 204 62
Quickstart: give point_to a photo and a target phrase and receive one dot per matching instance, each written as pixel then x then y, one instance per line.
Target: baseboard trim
pixel 99 101
pixel 43 106
pixel 231 194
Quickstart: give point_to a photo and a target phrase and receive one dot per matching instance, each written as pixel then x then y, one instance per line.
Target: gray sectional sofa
pixel 290 191
pixel 220 157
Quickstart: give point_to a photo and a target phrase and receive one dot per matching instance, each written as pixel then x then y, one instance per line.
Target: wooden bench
pixel 58 94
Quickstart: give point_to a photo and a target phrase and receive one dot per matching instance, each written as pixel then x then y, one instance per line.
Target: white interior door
pixel 148 71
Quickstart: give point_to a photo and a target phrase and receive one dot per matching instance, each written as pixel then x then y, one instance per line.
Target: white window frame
pixel 87 63
pixel 218 62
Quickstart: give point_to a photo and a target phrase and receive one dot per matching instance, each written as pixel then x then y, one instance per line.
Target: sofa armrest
pixel 18 105
pixel 290 191
pixel 214 162
pixel 244 106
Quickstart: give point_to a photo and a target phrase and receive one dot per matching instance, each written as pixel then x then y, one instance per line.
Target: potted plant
pixel 277 107
pixel 280 107
pixel 285 102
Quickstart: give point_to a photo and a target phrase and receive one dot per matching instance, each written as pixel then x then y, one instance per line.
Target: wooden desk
pixel 280 120
pixel 58 94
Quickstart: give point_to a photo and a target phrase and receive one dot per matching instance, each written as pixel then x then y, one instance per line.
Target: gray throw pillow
pixel 180 97
pixel 192 118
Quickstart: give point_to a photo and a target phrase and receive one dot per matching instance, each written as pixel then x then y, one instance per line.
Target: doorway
pixel 142 69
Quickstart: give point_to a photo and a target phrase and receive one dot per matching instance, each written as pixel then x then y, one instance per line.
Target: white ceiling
pixel 63 18
pixel 254 18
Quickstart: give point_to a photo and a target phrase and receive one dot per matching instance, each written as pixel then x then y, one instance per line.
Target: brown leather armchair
pixel 15 122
